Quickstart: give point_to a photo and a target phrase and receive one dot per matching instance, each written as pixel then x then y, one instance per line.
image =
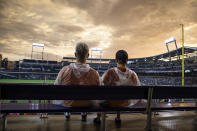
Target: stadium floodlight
pixel 38 44
pixel 96 49
pixel 187 71
pixel 170 40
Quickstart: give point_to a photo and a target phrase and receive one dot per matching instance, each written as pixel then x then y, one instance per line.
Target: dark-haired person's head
pixel 81 52
pixel 121 57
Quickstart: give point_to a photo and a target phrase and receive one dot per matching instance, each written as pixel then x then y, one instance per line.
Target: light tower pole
pixel 183 70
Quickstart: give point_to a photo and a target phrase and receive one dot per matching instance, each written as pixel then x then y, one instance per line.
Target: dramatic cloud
pixel 138 26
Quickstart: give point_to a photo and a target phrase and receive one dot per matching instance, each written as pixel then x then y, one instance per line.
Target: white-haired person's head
pixel 81 52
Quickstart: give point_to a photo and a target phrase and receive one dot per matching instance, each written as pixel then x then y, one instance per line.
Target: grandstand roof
pixel 172 53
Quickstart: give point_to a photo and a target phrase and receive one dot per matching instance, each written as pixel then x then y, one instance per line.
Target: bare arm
pixel 135 79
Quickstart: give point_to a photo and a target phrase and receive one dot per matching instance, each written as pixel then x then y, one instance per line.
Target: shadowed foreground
pixel 166 121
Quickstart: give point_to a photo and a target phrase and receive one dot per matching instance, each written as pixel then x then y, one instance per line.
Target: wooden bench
pixel 54 92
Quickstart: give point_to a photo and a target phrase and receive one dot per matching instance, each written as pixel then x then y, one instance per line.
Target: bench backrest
pixel 60 92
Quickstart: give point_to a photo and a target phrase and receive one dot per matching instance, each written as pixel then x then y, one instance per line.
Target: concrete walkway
pixel 166 121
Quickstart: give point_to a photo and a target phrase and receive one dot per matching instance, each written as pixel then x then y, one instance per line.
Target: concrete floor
pixel 166 121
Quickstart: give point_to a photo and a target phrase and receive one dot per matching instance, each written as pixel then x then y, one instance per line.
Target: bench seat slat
pixel 44 108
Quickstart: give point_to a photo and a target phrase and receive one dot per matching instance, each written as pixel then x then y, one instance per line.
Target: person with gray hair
pixel 78 73
pixel 81 52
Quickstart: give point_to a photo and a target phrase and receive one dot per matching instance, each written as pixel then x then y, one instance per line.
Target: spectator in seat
pixel 118 76
pixel 78 73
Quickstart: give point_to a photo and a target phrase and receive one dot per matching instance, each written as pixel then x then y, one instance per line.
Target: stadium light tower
pixel 99 50
pixel 167 42
pixel 37 45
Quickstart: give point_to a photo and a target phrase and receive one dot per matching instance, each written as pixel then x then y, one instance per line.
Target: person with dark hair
pixel 117 76
pixel 78 73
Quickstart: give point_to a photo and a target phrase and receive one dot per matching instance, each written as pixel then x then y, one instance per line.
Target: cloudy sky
pixel 138 26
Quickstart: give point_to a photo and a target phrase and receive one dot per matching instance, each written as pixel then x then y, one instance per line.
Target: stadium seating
pixel 52 62
pixel 156 66
pixel 57 68
pixel 39 65
pixel 64 63
pixel 36 67
pixel 41 61
pixel 46 68
pixel 25 67
pixel 29 61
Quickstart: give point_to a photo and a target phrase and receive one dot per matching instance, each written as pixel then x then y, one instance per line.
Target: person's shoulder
pixel 133 72
pixel 66 68
pixel 110 70
pixel 135 78
pixel 93 70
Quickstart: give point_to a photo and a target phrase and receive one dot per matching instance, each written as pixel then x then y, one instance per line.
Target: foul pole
pixel 183 71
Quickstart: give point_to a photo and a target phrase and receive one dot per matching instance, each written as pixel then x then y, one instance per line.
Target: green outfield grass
pixel 24 81
pixel 22 101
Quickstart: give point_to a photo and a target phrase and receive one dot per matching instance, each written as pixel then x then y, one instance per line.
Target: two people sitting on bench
pixel 80 73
